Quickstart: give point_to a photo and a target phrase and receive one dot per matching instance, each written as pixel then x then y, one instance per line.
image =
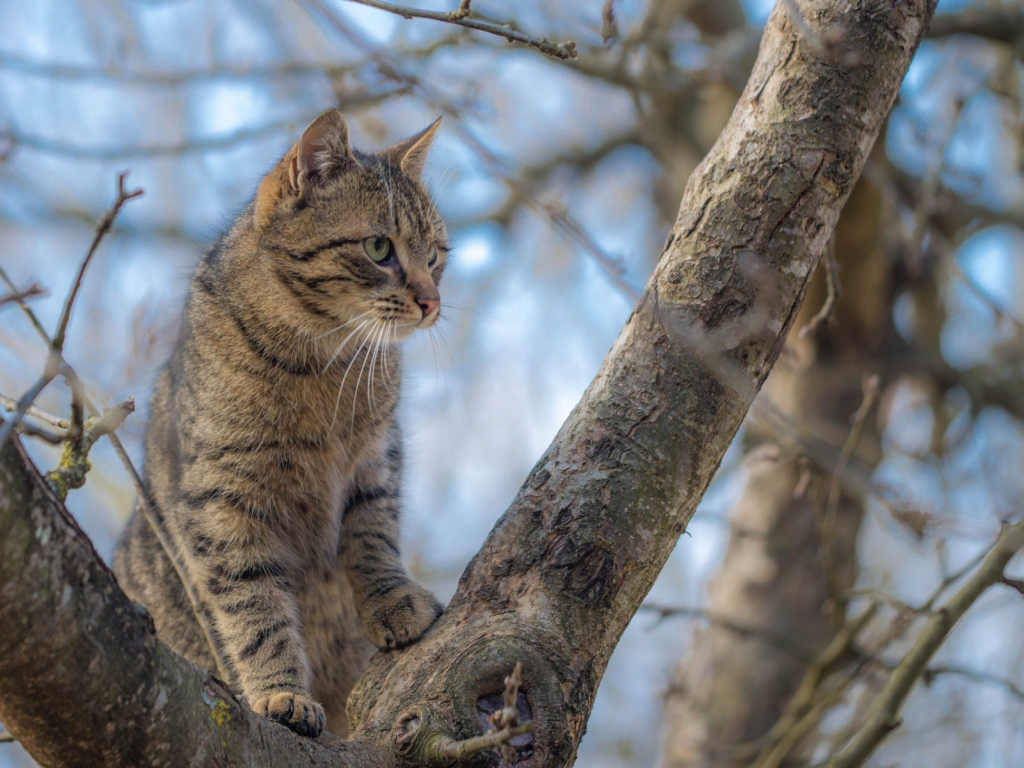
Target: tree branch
pixel 460 17
pixel 883 718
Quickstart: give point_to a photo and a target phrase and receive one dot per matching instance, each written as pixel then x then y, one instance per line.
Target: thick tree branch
pixel 567 566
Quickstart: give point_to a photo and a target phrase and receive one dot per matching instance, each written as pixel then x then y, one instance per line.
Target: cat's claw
pixel 298 712
pixel 399 618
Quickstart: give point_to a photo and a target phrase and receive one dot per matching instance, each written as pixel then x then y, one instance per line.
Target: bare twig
pixel 1017 584
pixel 505 723
pixel 5 736
pixel 566 50
pixel 31 292
pixel 225 72
pixel 870 387
pixel 831 286
pixel 31 430
pixel 50 371
pixel 805 707
pixel 884 717
pixel 461 750
pixel 11 405
pixel 102 228
pixel 55 364
pixel 775 639
pixel 25 308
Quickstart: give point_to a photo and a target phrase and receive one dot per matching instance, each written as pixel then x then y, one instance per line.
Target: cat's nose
pixel 429 306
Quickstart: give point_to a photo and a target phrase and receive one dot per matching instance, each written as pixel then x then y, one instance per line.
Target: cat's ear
pixel 411 155
pixel 323 148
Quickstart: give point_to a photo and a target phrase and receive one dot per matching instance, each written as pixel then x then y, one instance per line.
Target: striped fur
pixel 272 452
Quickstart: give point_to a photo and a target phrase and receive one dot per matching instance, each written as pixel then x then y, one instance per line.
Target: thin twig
pixel 102 228
pixel 461 750
pixel 805 700
pixel 55 364
pixel 31 430
pixel 1017 584
pixel 31 292
pixel 870 387
pixel 775 639
pixel 566 50
pixel 50 371
pixel 26 309
pixel 505 723
pixel 6 737
pixel 884 717
pixel 11 405
pixel 831 285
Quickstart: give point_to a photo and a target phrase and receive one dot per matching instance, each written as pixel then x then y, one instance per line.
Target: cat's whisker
pixel 438 361
pixel 342 345
pixel 343 325
pixel 387 349
pixel 373 364
pixel 355 393
pixel 462 308
pixel 341 388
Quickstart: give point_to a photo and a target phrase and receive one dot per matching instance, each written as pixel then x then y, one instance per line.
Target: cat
pixel 273 456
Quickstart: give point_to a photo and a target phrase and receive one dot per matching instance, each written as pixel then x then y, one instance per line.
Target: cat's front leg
pixel 250 590
pixel 393 608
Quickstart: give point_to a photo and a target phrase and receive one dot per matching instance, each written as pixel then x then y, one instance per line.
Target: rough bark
pixel 731 689
pixel 568 564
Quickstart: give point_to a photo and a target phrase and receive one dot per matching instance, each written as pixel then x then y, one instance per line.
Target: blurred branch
pixel 566 50
pixel 870 387
pixel 832 292
pixel 780 641
pixel 884 715
pixel 1001 23
pixel 31 292
pixel 42 144
pixel 184 77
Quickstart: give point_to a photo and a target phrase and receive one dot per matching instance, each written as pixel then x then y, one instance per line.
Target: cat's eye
pixel 433 257
pixel 377 248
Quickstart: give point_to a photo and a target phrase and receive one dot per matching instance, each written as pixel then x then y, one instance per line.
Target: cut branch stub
pixel 472 679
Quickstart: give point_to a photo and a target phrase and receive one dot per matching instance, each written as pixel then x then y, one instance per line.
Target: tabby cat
pixel 272 453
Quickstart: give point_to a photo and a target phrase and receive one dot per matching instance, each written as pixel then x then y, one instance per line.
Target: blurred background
pixel 879 461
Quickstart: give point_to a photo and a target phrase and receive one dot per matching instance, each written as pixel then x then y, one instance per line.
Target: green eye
pixel 377 248
pixel 433 257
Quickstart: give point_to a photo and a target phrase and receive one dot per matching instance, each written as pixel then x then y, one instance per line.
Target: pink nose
pixel 429 306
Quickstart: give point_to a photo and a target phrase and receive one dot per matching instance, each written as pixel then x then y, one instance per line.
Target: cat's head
pixel 354 237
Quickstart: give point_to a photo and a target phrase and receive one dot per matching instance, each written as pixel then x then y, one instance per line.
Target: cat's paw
pixel 401 616
pixel 298 712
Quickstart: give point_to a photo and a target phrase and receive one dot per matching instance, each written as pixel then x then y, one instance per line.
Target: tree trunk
pixel 731 689
pixel 568 564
